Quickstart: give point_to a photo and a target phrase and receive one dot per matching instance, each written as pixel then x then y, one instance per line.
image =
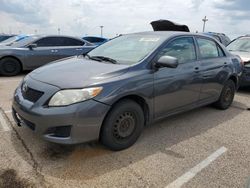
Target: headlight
pixel 71 96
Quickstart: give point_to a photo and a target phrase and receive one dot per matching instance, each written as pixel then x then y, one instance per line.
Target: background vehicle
pixel 95 40
pixel 5 37
pixel 241 47
pixel 13 39
pixel 125 84
pixel 221 37
pixel 167 25
pixel 37 50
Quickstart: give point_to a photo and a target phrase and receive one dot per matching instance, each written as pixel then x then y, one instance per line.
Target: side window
pixel 49 41
pixel 208 48
pixel 181 48
pixel 72 42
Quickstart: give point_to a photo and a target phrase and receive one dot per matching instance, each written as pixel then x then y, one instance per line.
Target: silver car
pixel 241 47
pixel 37 50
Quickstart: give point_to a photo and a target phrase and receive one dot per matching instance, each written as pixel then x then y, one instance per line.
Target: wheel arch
pixel 14 57
pixel 137 99
pixel 235 79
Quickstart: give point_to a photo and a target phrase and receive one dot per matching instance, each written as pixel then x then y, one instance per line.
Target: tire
pixel 226 96
pixel 122 126
pixel 10 66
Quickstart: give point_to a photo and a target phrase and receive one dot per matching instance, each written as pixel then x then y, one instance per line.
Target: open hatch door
pixel 166 25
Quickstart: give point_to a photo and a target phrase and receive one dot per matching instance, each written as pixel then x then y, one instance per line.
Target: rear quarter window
pixel 209 48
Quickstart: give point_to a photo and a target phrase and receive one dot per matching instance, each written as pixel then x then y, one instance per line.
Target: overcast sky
pixel 81 17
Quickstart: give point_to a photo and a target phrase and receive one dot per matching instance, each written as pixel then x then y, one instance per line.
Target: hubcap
pixel 124 125
pixel 228 95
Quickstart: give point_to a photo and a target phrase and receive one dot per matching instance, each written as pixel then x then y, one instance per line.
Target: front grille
pixel 31 94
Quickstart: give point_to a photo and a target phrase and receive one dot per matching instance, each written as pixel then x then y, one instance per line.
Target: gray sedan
pixel 37 50
pixel 124 85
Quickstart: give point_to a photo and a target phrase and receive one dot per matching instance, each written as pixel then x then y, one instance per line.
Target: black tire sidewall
pixel 221 103
pixel 15 63
pixel 107 137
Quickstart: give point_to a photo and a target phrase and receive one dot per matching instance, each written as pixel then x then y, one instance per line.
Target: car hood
pixel 245 56
pixel 77 72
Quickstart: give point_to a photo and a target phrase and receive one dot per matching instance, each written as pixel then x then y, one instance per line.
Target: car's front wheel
pixel 10 66
pixel 123 125
pixel 226 96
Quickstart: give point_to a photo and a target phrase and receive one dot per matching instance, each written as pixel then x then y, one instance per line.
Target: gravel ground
pixel 163 153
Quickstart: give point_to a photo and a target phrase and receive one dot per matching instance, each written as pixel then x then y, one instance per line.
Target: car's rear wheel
pixel 227 96
pixel 10 66
pixel 123 125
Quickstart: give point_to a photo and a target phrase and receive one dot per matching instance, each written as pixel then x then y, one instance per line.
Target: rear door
pixel 178 88
pixel 213 66
pixel 72 46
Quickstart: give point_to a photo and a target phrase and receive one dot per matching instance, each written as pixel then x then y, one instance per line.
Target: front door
pixel 47 50
pixel 177 88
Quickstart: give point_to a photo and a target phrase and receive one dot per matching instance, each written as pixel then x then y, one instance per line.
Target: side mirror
pixel 167 61
pixel 31 46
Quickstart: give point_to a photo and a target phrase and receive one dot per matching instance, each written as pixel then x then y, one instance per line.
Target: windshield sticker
pixel 149 39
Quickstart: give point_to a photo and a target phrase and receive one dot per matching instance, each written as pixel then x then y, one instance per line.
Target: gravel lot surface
pixel 205 147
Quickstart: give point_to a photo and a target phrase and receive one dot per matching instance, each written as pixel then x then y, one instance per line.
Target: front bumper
pixel 76 123
pixel 245 78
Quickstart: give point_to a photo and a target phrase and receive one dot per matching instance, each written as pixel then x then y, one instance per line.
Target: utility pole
pixel 35 31
pixel 58 30
pixel 101 30
pixel 204 24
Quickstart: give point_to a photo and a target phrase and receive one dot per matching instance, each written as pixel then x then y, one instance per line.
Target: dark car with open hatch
pixel 115 90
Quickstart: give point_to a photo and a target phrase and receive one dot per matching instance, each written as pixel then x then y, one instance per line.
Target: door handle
pixel 79 49
pixel 54 51
pixel 196 69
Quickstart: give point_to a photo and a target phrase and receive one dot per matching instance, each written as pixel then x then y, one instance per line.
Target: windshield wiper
pixel 92 58
pixel 103 58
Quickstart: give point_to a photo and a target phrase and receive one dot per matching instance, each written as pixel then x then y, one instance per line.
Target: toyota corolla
pixel 115 90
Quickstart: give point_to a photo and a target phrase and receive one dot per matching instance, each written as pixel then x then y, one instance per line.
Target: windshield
pixel 241 44
pixel 128 49
pixel 3 38
pixel 15 39
pixel 23 42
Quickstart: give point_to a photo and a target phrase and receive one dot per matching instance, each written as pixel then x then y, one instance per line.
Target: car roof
pixel 44 35
pixel 169 34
